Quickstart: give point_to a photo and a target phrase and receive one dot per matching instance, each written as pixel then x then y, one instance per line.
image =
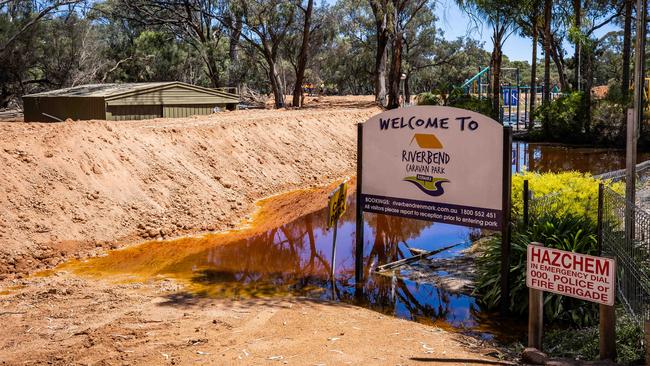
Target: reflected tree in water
pixel 279 260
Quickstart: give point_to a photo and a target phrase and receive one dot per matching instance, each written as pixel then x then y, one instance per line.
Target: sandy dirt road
pixel 79 189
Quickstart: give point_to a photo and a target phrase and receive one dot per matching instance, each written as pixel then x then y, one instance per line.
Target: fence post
pixel 607 332
pixel 599 232
pixel 647 342
pixel 535 315
pixel 526 198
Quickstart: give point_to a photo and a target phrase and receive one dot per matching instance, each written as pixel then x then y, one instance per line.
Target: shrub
pixel 609 123
pixel 563 119
pixel 582 343
pixel 455 97
pixel 472 103
pixel 567 221
pixel 428 98
pixel 573 233
pixel 573 193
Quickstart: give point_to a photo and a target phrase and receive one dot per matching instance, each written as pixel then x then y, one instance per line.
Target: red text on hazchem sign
pixel 581 276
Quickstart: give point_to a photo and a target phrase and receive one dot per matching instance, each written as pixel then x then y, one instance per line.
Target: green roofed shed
pixel 129 101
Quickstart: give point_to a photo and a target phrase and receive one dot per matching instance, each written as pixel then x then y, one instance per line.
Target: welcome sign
pixel 434 163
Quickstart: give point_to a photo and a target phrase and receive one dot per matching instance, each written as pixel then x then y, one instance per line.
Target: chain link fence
pixel 632 256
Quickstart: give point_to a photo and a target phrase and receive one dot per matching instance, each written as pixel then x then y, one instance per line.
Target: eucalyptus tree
pixel 349 62
pixel 303 55
pixel 405 13
pixel 529 24
pixel 595 14
pixel 586 17
pixel 452 62
pixel 384 18
pixel 265 27
pixel 191 20
pixel 39 46
pixel 500 15
pixel 424 48
pixel 23 16
pixel 627 48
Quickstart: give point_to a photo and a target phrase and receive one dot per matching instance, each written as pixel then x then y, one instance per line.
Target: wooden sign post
pixel 535 315
pixel 576 275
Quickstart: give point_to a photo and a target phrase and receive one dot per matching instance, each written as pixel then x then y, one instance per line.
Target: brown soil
pixel 78 189
pixel 69 188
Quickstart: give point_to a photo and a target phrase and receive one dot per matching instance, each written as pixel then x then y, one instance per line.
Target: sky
pixel 456 23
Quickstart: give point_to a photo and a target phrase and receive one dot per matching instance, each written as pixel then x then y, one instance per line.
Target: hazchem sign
pixel 582 276
pixel 434 163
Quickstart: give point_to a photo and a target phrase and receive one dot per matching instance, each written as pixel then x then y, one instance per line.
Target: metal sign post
pixel 337 205
pixel 505 225
pixel 358 258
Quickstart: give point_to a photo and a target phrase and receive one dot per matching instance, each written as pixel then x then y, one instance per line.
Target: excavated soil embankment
pixel 81 188
pixel 74 188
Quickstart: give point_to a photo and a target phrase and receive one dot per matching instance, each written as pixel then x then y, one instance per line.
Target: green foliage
pixel 446 94
pixel 472 103
pixel 571 232
pixel 563 216
pixel 609 119
pixel 563 119
pixel 428 98
pixel 582 343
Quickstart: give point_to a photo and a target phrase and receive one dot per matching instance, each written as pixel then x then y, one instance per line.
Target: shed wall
pixel 179 111
pixel 173 96
pixel 133 112
pixel 62 108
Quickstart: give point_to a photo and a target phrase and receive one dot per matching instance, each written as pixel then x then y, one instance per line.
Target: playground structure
pixel 515 98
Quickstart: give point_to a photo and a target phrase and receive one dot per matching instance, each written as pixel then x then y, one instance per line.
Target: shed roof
pixel 112 90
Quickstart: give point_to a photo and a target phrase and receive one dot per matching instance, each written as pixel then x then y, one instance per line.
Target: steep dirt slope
pixel 68 188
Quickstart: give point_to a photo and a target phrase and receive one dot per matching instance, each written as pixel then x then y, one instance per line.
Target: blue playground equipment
pixel 514 97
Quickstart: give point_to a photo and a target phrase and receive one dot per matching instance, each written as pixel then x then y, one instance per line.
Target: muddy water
pixel 554 158
pixel 294 256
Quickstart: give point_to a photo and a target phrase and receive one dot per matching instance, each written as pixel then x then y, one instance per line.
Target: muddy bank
pixel 65 319
pixel 78 188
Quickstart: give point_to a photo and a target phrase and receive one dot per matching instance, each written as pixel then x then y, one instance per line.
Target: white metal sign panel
pixel 434 163
pixel 582 276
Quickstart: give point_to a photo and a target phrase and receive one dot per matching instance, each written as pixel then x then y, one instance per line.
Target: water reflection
pixel 295 258
pixel 555 158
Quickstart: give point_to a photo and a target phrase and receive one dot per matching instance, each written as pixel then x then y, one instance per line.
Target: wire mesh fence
pixel 632 256
pixel 552 204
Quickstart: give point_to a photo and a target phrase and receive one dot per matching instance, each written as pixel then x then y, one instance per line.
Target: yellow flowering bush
pixel 565 193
